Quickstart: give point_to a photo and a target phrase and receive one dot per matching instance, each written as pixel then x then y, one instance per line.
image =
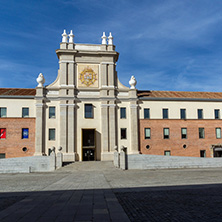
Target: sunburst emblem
pixel 88 76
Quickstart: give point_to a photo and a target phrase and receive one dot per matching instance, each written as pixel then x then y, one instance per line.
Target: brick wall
pixel 175 144
pixel 13 144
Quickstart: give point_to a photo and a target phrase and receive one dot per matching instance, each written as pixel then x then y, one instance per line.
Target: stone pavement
pixel 96 191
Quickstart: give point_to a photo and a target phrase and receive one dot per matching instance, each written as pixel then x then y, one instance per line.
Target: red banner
pixel 2 133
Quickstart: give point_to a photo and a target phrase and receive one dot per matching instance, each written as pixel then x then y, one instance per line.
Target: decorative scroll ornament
pixel 132 82
pixel 40 80
pixel 88 76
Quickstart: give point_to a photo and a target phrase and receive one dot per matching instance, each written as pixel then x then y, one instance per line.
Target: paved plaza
pixel 97 191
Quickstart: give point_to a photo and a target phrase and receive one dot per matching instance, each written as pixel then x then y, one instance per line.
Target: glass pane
pixel 2 155
pixel 200 114
pixel 123 133
pixel 217 113
pixel 51 112
pixel 88 111
pixel 218 133
pixel 166 131
pixel 146 113
pixel 201 133
pixel 122 113
pixel 167 153
pixel 165 113
pixel 51 134
pixel 147 133
pixel 3 112
pixel 203 153
pixel 183 114
pixel 25 112
pixel 184 131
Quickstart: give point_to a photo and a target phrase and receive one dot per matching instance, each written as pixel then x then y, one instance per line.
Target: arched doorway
pixel 217 150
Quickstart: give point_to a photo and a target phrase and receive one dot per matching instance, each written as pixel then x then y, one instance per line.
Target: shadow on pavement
pixel 169 203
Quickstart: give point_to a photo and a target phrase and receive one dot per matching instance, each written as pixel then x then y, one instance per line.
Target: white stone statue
pixel 71 37
pixel 132 82
pixel 104 39
pixel 64 37
pixel 40 80
pixel 110 39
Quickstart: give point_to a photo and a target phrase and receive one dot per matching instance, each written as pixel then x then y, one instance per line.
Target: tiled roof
pixel 17 92
pixel 179 94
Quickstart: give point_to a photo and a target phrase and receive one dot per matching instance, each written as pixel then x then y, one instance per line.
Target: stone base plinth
pixel 68 157
pixel 107 156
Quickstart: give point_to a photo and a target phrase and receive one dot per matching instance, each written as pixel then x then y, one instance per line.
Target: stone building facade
pixel 86 113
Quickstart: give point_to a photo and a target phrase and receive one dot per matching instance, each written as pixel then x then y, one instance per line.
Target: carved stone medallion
pixel 88 75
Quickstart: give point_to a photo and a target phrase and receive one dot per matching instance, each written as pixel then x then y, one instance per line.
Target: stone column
pixel 39 141
pixel 134 143
pixel 63 126
pixel 40 122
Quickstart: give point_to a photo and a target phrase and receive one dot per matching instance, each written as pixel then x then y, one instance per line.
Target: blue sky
pixel 166 45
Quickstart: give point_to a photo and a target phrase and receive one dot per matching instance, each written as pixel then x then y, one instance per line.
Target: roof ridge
pixel 176 91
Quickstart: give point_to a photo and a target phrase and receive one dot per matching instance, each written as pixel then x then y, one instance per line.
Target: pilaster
pixel 112 127
pixel 104 79
pixel 71 127
pixel 63 126
pixel 63 72
pixel 104 127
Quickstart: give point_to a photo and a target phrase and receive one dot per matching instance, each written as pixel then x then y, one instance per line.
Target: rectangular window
pixel 25 112
pixel 202 153
pixel 88 111
pixel 201 133
pixel 52 112
pixel 3 112
pixel 167 153
pixel 217 114
pixel 182 113
pixel 200 114
pixel 122 113
pixel 2 155
pixel 183 133
pixel 146 113
pixel 123 133
pixel 51 134
pixel 165 113
pixel 25 133
pixel 218 133
pixel 147 133
pixel 3 133
pixel 166 133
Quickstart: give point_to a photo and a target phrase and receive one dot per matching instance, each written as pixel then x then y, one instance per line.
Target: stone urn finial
pixel 132 82
pixel 110 39
pixel 104 38
pixel 71 37
pixel 40 80
pixel 64 36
